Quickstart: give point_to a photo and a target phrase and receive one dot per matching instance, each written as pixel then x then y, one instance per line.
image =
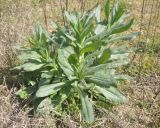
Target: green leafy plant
pixel 75 66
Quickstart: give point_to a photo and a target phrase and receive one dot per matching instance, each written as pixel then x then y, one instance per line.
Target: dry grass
pixel 13 114
pixel 17 20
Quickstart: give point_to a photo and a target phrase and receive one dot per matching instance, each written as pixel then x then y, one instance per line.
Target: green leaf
pixel 24 93
pixel 45 107
pixel 121 27
pixel 43 39
pixel 91 47
pixel 63 55
pixel 61 97
pixel 110 65
pixel 97 12
pixel 29 67
pixel 47 75
pixel 119 56
pixel 73 59
pixel 47 90
pixel 87 30
pixel 38 30
pixel 118 63
pixel 101 78
pixel 70 37
pixel 105 56
pixel 117 12
pixel 130 36
pixel 92 55
pixel 112 94
pixel 120 53
pixel 98 37
pixel 44 81
pixel 107 9
pixel 122 77
pixel 71 18
pixel 87 109
pixel 73 21
pixel 32 55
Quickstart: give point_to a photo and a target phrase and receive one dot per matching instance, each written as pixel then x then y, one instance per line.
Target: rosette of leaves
pixel 76 64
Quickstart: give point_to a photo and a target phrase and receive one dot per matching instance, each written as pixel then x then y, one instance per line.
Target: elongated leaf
pixel 107 66
pixel 91 47
pixel 88 63
pixel 87 109
pixel 44 81
pixel 74 29
pixel 120 56
pixel 117 12
pixel 71 18
pixel 105 56
pixel 38 30
pixel 107 9
pixel 47 75
pixel 32 55
pixel 92 55
pixel 29 67
pixel 87 30
pixel 122 77
pixel 43 39
pixel 70 37
pixel 120 53
pixel 45 107
pixel 61 97
pixel 121 49
pixel 63 55
pixel 97 12
pixel 102 78
pixel 73 21
pixel 130 36
pixel 87 18
pixel 98 37
pixel 118 63
pixel 112 94
pixel 73 59
pixel 47 90
pixel 122 27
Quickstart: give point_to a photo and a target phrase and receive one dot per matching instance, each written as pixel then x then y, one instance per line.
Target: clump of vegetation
pixel 74 67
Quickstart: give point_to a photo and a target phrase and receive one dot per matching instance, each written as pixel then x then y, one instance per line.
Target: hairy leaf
pixel 87 109
pixel 105 56
pixel 101 78
pixel 122 27
pixel 112 94
pixel 46 90
pixel 29 67
pixel 63 55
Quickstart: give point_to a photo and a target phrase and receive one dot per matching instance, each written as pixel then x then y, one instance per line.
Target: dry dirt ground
pixel 143 109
